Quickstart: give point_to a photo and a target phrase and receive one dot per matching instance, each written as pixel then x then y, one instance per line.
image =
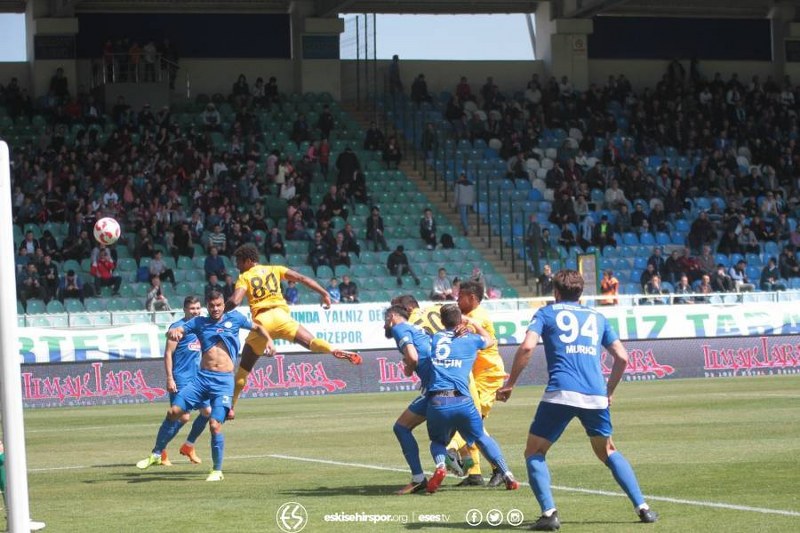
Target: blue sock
pixel 439 452
pixel 167 431
pixel 217 449
pixel 489 447
pixel 539 478
pixel 623 473
pixel 410 448
pixel 198 426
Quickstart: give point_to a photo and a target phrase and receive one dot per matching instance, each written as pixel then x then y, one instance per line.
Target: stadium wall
pixel 124 382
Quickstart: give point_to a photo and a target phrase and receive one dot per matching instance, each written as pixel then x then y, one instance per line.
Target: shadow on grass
pixel 462 525
pixel 356 490
pixel 147 477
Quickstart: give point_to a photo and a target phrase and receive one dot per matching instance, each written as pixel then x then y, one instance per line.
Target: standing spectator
pixel 374 139
pixel 324 156
pixel 395 84
pixel 156 301
pixel 326 122
pixel 348 290
pixel 392 154
pixel 544 283
pixel 184 245
pixel 229 287
pixel 701 232
pixel 419 90
pixel 398 266
pixel 49 277
pixel 464 199
pixel 375 229
pixel 442 288
pixel 150 52
pixel 214 264
pixel 346 164
pixel 427 229
pixel 333 291
pixel 273 244
pixel 240 94
pixel 771 278
pixel 683 287
pixel 59 88
pixel 609 288
pixel 103 272
pixel 71 286
pixel 318 252
pixel 159 268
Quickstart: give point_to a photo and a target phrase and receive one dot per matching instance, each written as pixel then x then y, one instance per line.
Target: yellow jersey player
pixel 262 286
pixel 488 372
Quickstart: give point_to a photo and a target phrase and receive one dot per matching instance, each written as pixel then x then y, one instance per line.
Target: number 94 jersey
pixel 574 337
pixel 263 286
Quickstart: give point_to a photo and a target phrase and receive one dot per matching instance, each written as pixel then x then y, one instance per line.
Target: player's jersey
pixel 489 363
pixel 225 330
pixel 452 359
pixel 263 286
pixel 574 337
pixel 407 333
pixel 186 357
pixel 429 319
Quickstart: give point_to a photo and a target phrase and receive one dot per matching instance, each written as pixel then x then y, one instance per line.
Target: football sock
pixel 410 448
pixel 475 453
pixel 217 449
pixel 623 473
pixel 167 431
pixel 539 478
pixel 198 426
pixel 239 382
pixel 439 452
pixel 491 450
pixel 457 442
pixel 320 346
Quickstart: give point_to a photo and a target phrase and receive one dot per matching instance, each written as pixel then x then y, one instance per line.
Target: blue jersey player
pixel 415 345
pixel 574 337
pixel 181 362
pixel 219 340
pixel 451 408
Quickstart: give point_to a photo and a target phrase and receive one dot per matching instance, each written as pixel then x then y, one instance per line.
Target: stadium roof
pixel 560 8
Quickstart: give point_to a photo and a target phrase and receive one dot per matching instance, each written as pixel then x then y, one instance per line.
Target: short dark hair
pixel 451 315
pixel 398 310
pixel 406 301
pixel 568 283
pixel 190 300
pixel 473 287
pixel 214 294
pixel 246 252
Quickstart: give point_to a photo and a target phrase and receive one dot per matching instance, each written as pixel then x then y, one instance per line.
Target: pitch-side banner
pixel 360 327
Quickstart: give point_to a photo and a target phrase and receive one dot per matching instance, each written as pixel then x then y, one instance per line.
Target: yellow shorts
pixel 483 392
pixel 278 323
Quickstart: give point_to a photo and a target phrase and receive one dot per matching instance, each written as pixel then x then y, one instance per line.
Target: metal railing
pixel 124 68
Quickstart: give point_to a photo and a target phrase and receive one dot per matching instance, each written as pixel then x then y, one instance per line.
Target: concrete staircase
pixel 479 240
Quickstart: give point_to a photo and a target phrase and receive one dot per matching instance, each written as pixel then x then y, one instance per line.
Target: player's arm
pixel 521 360
pixel 488 340
pixel 620 355
pixel 269 351
pixel 410 359
pixel 169 349
pixel 291 275
pixel 176 334
pixel 235 299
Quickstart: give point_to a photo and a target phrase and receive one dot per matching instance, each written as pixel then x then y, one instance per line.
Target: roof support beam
pixel 586 8
pixel 331 8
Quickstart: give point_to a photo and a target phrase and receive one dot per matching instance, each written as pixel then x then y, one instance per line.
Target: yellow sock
pixel 320 346
pixel 457 443
pixel 476 457
pixel 239 383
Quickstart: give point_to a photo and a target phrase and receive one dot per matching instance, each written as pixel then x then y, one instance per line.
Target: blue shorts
pixel 208 386
pixel 446 415
pixel 182 385
pixel 553 418
pixel 419 406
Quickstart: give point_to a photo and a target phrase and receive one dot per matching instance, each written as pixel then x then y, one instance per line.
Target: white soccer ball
pixel 106 231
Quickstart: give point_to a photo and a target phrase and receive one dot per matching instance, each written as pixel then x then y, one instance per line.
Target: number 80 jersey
pixel 574 337
pixel 263 286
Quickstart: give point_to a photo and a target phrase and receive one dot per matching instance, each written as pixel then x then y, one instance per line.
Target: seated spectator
pixel 567 238
pixel 296 228
pixel 609 288
pixel 748 243
pixel 657 260
pixel 586 233
pixel 291 294
pixel 212 285
pixel 671 271
pixel 442 288
pixel 738 274
pixel 729 243
pixel 49 277
pixel 398 266
pixel 182 240
pixel 273 244
pixel 392 154
pixel 29 285
pixel 706 260
pixel 333 291
pixel 703 286
pixel 350 240
pixel 217 238
pixel 214 264
pixel 49 245
pixel 604 233
pixel 653 289
pixel 375 229
pixel 788 265
pixel 639 221
pixel 71 286
pixel 683 287
pixel 544 283
pixel 228 287
pixel 647 275
pixel 427 229
pixel 156 301
pixel 211 118
pixel 103 272
pixel 339 253
pixel 721 280
pixel 701 232
pixel 318 253
pixel 300 130
pixel 374 138
pixel 419 90
pixel 334 200
pixel 349 290
pixel 771 278
pixel 78 248
pixel 326 122
pixel 159 268
pixel 240 94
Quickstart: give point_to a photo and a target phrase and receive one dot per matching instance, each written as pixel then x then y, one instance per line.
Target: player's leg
pixel 220 400
pixel 470 424
pixel 597 423
pixel 166 432
pixel 246 364
pixel 440 431
pixel 463 459
pixel 304 338
pixel 198 426
pixel 181 422
pixel 403 427
pixel 487 394
pixel 548 424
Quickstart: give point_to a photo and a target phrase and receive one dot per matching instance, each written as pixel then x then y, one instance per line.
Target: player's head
pixel 191 306
pixel 451 316
pixel 393 316
pixel 567 285
pixel 215 303
pixel 470 295
pixel 406 301
pixel 246 257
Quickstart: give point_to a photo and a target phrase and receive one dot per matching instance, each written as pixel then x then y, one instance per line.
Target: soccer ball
pixel 106 231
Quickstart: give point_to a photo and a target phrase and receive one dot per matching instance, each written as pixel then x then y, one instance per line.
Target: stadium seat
pixel 34 306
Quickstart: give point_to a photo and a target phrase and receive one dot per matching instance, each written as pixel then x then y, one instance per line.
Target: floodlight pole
pixel 10 388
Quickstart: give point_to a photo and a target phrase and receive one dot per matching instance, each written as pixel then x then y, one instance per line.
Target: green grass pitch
pixel 701 449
